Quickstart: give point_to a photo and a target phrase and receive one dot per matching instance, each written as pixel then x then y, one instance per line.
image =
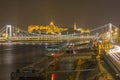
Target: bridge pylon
pixel 110 32
pixel 8 31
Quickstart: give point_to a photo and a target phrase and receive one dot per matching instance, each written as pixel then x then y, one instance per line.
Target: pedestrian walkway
pixel 78 68
pixel 105 75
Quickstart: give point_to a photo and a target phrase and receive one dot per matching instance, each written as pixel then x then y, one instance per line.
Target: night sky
pixel 86 13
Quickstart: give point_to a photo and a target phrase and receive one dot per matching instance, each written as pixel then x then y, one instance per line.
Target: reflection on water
pixel 14 56
pixel 8 57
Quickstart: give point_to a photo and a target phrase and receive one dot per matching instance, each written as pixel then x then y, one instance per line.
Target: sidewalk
pixel 105 75
pixel 78 68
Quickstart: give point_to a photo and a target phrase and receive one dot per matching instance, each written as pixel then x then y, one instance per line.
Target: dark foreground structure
pixel 78 62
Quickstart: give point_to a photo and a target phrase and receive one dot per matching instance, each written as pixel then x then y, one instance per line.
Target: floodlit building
pixel 50 29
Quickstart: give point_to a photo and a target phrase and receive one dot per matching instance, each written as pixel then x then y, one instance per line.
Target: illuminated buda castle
pixel 50 29
pixel 53 29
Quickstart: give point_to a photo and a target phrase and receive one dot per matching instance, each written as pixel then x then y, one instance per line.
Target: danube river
pixel 16 56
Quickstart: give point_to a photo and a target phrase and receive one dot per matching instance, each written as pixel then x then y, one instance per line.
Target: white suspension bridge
pixel 106 32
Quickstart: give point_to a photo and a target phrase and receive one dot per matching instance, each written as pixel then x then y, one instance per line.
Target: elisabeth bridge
pixel 107 32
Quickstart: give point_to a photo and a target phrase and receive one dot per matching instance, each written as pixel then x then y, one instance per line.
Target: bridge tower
pixel 110 32
pixel 8 31
pixel 75 26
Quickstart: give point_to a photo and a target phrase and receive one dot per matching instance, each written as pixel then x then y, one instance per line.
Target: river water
pixel 16 56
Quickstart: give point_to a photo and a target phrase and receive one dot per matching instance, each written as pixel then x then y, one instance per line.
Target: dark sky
pixel 86 13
